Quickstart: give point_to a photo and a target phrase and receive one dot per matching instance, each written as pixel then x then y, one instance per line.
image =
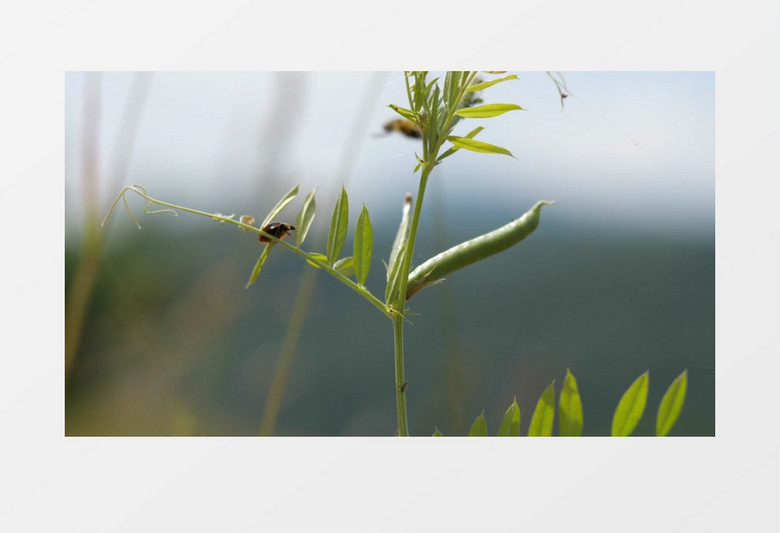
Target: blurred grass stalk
pixel 273 403
pixel 357 132
pixel 86 273
pixel 456 391
pixel 83 283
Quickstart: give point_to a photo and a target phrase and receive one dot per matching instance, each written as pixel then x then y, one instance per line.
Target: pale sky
pixel 634 148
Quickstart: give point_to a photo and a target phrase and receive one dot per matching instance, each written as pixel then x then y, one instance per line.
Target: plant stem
pixel 406 266
pixel 430 153
pixel 400 381
pixel 172 208
pixel 400 304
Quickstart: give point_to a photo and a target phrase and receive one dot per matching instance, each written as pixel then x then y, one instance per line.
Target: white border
pixel 727 483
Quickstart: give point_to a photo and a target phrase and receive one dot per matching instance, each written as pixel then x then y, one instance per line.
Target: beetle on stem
pixel 277 229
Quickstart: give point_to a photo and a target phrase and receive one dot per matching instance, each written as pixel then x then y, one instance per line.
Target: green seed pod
pixel 466 253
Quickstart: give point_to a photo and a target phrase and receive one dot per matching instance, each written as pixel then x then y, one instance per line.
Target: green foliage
pixel 402 235
pixel 671 405
pixel 436 109
pixel 479 427
pixel 259 265
pixel 338 227
pixel 485 84
pixel 510 426
pixel 477 146
pixel 570 417
pixel 631 407
pixel 286 199
pixel 544 415
pixel 397 251
pixel 305 218
pixel 393 277
pixel 487 110
pixel 316 259
pixel 454 148
pixel 364 245
pixel 346 266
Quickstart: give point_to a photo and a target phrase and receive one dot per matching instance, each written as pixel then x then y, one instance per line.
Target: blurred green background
pixel 163 339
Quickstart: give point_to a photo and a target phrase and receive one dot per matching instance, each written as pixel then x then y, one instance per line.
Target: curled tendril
pixel 140 191
pixel 157 211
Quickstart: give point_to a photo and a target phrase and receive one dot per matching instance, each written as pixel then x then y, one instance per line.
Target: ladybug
pixel 277 229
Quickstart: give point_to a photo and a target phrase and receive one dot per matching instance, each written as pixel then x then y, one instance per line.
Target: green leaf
pixel 418 89
pixel 345 265
pixel 570 419
pixel 305 218
pixel 478 146
pixel 486 84
pixel 447 88
pixel 401 235
pixel 397 251
pixel 430 89
pixel 408 115
pixel 479 427
pixel 454 149
pixel 510 426
pixel 631 407
pixel 671 405
pixel 364 245
pixel 433 122
pixel 544 415
pixel 437 433
pixel 259 265
pixel 451 88
pixel 319 257
pixel 338 227
pixel 289 197
pixel 487 110
pixel 394 274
